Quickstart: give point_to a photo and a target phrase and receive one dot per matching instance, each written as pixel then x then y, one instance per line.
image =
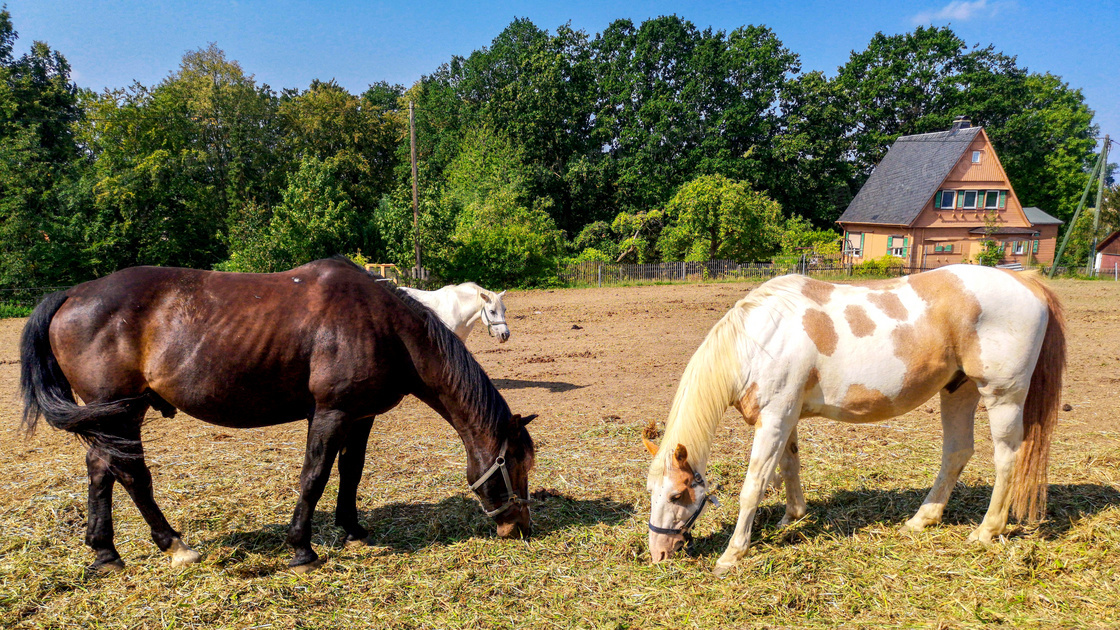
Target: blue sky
pixel 111 43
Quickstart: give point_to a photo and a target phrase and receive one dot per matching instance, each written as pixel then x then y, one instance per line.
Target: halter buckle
pixel 512 498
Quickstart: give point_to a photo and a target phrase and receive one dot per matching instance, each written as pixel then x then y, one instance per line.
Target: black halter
pixel 512 497
pixel 490 324
pixel 698 480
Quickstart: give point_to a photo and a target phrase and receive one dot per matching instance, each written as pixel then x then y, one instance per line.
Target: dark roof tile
pixel 907 177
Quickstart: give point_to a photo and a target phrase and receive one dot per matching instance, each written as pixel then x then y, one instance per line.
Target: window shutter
pixel 1002 199
pixel 861 243
pixel 937 200
pixel 1034 247
pixel 905 246
pixel 890 242
pixel 960 199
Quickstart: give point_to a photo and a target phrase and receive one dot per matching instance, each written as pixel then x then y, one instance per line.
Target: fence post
pixel 600 275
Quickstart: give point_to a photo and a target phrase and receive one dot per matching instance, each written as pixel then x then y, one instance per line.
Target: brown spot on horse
pixel 818 325
pixel 858 321
pixel 889 303
pixel 817 291
pixel 748 404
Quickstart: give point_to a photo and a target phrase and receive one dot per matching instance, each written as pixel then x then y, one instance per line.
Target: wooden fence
pixel 599 274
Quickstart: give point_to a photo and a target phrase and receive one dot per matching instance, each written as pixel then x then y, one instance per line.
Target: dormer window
pixel 991 199
pixel 975 157
pixel 969 199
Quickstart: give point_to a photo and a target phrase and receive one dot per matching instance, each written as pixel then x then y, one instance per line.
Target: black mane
pixel 464 375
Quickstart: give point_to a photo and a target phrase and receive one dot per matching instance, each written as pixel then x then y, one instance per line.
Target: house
pixel 1108 254
pixel 935 197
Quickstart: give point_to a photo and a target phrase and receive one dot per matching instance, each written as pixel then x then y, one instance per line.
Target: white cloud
pixel 960 11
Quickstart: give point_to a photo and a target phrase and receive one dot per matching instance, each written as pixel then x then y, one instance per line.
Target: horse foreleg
pixel 1006 420
pixel 132 472
pixel 769 441
pixel 351 459
pixel 323 439
pixel 958 414
pixel 790 466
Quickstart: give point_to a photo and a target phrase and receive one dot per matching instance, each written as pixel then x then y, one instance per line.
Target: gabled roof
pixel 908 176
pixel 1038 217
pixel 1108 240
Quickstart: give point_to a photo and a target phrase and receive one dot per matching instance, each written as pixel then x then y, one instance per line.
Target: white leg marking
pixel 181 554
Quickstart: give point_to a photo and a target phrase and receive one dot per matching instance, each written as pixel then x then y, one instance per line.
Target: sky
pixel 286 44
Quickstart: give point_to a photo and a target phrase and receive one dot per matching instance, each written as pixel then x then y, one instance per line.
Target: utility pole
pixel 1098 169
pixel 1097 214
pixel 415 204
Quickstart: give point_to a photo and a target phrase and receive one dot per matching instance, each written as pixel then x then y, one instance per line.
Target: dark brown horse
pixel 325 342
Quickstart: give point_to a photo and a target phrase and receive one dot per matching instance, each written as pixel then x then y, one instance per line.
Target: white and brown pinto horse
pixel 798 348
pixel 462 306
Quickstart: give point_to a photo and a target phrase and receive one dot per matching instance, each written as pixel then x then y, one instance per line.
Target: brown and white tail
pixel 1040 414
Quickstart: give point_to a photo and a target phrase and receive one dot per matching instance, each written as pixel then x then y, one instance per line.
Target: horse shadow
pixel 410 527
pixel 554 387
pixel 847 512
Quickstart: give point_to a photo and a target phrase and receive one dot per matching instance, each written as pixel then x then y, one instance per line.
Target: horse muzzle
pixel 663 546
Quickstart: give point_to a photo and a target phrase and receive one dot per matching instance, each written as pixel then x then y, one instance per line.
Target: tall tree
pixel 38 108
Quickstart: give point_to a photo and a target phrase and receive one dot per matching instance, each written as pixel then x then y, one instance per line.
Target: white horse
pixel 797 348
pixel 462 306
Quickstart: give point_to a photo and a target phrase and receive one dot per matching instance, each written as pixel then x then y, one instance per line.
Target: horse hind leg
pixel 125 464
pixel 1006 419
pixel 133 473
pixel 958 415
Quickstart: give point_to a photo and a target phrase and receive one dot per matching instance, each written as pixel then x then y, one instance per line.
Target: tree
pixel 38 157
pixel 316 219
pixel 675 102
pixel 173 163
pixel 714 217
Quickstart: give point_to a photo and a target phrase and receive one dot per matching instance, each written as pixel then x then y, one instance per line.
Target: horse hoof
pixel 358 542
pixel 300 569
pixel 181 554
pixel 105 568
pixel 721 570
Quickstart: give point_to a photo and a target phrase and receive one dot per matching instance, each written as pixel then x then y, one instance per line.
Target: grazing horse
pixel 462 306
pixel 798 348
pixel 323 342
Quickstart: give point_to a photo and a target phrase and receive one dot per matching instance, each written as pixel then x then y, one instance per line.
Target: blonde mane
pixel 712 381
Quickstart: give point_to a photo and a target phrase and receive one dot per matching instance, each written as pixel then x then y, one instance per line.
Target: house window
pixel 969 199
pixel 975 157
pixel 897 245
pixel 854 244
pixel 946 198
pixel 991 199
pixel 1019 247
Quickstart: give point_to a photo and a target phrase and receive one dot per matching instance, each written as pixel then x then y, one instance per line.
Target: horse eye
pixel 675 497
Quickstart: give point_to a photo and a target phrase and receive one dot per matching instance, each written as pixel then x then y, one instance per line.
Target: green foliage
pixel 316 219
pixel 648 141
pixel 991 250
pixel 884 265
pixel 713 217
pixel 798 234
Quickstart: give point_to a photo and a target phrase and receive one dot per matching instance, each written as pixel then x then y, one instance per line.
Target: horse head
pixel 677 498
pixel 503 488
pixel 494 314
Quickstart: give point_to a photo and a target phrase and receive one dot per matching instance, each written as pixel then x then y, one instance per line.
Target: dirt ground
pixel 595 364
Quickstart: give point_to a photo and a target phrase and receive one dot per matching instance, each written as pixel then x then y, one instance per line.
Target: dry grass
pixel 436 563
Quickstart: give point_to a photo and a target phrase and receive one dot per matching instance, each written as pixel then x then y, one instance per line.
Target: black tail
pixel 46 391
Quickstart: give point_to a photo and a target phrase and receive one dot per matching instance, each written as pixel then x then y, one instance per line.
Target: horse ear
pixel 648 435
pixel 680 456
pixel 526 420
pixel 485 298
pixel 501 294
